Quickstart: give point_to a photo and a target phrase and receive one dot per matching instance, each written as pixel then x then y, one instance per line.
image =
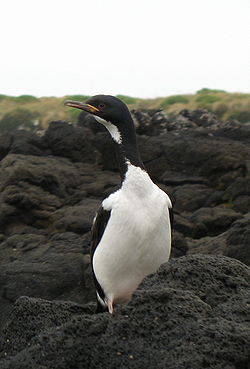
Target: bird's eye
pixel 101 106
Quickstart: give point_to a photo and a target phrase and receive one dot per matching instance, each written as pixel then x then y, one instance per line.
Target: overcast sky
pixel 143 48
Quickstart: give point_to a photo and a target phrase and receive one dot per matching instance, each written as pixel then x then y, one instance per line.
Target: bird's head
pixel 108 110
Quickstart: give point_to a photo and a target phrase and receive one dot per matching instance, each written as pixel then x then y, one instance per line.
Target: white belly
pixel 136 241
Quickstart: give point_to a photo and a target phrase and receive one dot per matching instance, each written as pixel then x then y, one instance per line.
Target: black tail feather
pixel 100 308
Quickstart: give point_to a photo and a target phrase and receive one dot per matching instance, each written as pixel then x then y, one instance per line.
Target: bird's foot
pixel 110 307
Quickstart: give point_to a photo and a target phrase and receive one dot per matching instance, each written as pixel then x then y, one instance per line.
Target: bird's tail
pixel 100 308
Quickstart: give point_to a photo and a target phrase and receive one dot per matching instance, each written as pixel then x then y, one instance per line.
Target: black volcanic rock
pixel 5 144
pixel 238 240
pixel 241 186
pixel 77 218
pixel 179 245
pixel 214 279
pixel 32 189
pixel 150 122
pixel 201 117
pixel 214 220
pixel 197 153
pixel 238 192
pixel 193 313
pixel 21 142
pixel 234 242
pixel 208 245
pixel 237 131
pixel 28 143
pixel 185 199
pixel 53 266
pixel 87 120
pixel 183 225
pixel 64 139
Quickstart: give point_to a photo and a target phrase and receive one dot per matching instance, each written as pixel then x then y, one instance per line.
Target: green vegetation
pixel 77 97
pixel 3 97
pixel 207 96
pixel 208 90
pixel 207 99
pixel 22 99
pixel 241 116
pixel 174 100
pixel 128 99
pixel 25 110
pixel 19 118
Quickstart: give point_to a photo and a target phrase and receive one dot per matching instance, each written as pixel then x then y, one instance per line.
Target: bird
pixel 131 232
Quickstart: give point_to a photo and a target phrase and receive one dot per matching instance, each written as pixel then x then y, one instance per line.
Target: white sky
pixel 143 48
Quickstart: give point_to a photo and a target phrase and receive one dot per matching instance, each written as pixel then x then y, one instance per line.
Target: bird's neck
pixel 125 142
pixel 126 154
pixel 127 150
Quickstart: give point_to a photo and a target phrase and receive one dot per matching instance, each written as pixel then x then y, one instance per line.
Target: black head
pixel 115 116
pixel 107 107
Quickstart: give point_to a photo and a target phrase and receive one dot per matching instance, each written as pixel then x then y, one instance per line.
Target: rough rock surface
pixel 150 122
pixel 238 240
pixel 194 313
pixel 50 189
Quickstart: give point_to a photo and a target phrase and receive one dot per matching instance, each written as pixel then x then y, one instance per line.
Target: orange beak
pixel 79 105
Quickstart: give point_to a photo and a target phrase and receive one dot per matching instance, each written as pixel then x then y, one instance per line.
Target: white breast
pixel 137 239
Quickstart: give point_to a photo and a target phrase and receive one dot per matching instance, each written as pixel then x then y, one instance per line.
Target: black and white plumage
pixel 131 234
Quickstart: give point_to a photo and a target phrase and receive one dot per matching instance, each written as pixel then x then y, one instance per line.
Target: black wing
pixel 171 217
pixel 99 225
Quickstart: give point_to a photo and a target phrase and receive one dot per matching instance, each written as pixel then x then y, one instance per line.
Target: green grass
pixel 19 117
pixel 22 99
pixel 174 100
pixel 241 116
pixel 80 98
pixel 226 105
pixel 207 99
pixel 128 99
pixel 209 91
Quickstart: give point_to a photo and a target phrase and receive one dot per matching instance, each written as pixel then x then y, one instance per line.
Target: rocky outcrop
pixel 50 189
pixel 179 318
pixel 238 240
pixel 150 122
